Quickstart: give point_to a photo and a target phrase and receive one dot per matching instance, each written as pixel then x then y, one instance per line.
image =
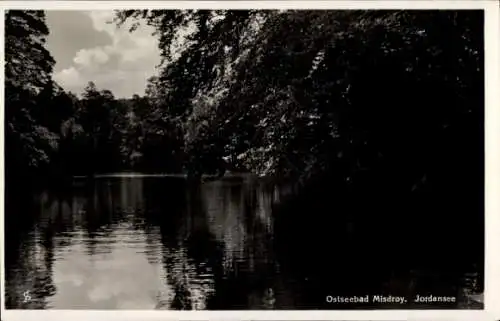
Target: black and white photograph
pixel 250 159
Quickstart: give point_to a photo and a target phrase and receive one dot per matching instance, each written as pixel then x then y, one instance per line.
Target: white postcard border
pixel 492 169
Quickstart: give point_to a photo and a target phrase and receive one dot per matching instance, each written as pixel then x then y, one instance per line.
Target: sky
pixel 86 48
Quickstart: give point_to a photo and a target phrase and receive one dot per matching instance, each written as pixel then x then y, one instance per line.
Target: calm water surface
pixel 145 243
pixel 160 243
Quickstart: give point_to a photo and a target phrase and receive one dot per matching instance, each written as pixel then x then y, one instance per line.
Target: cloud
pixel 71 31
pixel 122 66
pixel 88 57
pixel 69 77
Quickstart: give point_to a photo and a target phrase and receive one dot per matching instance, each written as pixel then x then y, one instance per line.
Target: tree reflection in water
pixel 164 243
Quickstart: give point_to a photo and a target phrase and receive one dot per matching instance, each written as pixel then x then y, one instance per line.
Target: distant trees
pixel 52 132
pixel 161 137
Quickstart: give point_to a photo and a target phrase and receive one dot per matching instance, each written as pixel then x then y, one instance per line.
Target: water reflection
pixel 163 243
pixel 144 243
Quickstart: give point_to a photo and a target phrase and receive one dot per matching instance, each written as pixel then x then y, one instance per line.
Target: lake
pixel 142 242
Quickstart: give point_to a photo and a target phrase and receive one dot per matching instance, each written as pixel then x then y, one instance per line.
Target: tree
pixel 382 109
pixel 102 120
pixel 28 68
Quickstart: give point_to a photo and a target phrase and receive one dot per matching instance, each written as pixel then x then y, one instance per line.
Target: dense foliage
pixel 271 92
pixel 297 91
pixel 28 66
pixel 380 110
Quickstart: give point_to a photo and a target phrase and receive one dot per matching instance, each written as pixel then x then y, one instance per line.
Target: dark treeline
pixel 380 113
pixel 53 132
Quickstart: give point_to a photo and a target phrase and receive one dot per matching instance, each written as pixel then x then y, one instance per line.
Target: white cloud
pixel 69 77
pixel 87 57
pixel 122 67
pixel 101 18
